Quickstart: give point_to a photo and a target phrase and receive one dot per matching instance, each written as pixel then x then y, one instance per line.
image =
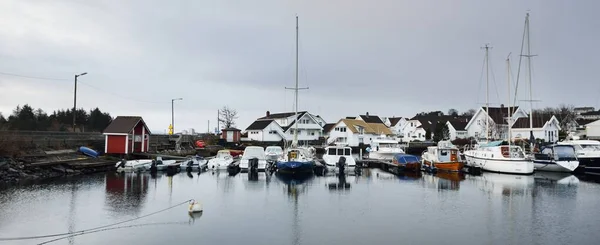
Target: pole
pixel 508 108
pixel 172 116
pixel 74 102
pixel 529 74
pixel 296 91
pixel 487 92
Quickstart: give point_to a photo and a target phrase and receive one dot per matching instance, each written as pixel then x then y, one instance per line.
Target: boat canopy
pixel 406 158
pixel 492 143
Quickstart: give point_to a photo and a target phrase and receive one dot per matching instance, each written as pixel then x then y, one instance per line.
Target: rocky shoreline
pixel 13 172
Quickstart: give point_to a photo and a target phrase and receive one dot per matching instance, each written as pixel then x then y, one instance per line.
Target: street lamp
pixel 75 98
pixel 173 115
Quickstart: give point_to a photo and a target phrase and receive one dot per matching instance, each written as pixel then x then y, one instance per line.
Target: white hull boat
pixel 500 159
pixel 332 156
pixel 221 161
pixel 384 149
pixel 274 153
pixel 556 158
pixel 133 165
pixel 253 152
pixel 195 162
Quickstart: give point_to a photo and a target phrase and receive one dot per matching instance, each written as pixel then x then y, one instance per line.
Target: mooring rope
pixel 91 229
pixel 113 228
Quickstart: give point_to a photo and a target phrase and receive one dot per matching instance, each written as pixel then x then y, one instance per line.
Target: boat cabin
pixel 224 154
pixel 557 152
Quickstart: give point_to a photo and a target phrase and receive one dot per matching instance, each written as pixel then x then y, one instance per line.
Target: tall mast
pixel 529 73
pixel 509 119
pixel 295 140
pixel 487 91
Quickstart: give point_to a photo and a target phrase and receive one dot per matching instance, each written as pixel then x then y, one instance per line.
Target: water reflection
pixel 504 184
pixel 443 180
pixel 126 192
pixel 294 186
pixel 340 185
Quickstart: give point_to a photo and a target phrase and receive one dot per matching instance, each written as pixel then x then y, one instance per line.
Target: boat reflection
pixel 443 180
pixel 126 192
pixel 504 184
pixel 555 178
pixel 340 184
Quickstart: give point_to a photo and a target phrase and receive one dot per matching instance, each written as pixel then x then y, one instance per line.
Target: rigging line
pixel 519 66
pixel 494 80
pixel 118 95
pixel 480 80
pixel 91 229
pixel 115 228
pixel 33 77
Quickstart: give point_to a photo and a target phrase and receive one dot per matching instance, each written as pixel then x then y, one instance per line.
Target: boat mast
pixel 487 92
pixel 295 140
pixel 509 119
pixel 529 73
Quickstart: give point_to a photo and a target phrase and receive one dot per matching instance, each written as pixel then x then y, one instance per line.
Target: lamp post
pixel 173 114
pixel 75 98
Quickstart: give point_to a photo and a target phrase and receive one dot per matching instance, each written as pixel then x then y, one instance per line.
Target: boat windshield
pixel 590 147
pixel 564 151
pixel 275 150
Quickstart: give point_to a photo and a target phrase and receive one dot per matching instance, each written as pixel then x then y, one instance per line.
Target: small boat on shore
pixel 443 157
pixel 163 165
pixel 133 165
pixel 556 158
pixel 407 162
pixel 221 161
pixel 88 152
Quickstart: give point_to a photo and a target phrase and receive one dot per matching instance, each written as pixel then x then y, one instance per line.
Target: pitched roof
pixel 498 114
pixel 124 125
pixel 350 117
pixel 259 124
pixel 282 115
pixel 371 118
pixel 328 127
pixel 231 129
pixel 394 120
pixel 459 124
pixel 368 128
pixel 539 121
pixel 582 122
pixel 584 108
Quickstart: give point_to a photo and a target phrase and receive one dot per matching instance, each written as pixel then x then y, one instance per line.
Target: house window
pixel 478 122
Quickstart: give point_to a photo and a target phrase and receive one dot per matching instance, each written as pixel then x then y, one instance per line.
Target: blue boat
pixel 88 152
pixel 296 160
pixel 407 162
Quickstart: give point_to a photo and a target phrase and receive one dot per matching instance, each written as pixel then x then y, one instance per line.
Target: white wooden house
pixel 496 117
pixel 352 132
pixel 457 129
pixel 544 127
pixel 396 124
pixel 310 127
pixel 592 130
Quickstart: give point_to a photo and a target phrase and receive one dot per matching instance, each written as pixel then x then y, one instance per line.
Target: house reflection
pixel 126 192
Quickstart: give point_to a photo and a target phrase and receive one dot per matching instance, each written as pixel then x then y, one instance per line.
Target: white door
pixel 229 136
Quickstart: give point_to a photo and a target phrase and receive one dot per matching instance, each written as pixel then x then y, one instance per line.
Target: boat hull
pixel 444 166
pixel 507 166
pixel 555 166
pixel 334 169
pixel 590 165
pixel 295 166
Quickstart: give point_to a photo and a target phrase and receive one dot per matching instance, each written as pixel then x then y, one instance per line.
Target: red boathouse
pixel 231 135
pixel 126 134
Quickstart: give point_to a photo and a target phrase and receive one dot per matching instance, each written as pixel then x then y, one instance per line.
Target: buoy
pixel 195 207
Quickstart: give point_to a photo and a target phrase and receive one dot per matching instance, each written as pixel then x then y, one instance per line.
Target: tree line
pixel 27 118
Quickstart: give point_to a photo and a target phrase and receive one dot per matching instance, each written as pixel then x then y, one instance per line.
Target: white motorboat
pixel 384 148
pixel 253 152
pixel 556 158
pixel 195 162
pixel 494 157
pixel 588 154
pixel 274 153
pixel 332 156
pixel 221 161
pixel 162 165
pixel 133 165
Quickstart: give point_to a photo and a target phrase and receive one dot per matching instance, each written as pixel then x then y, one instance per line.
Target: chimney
pixel 268 113
pixel 501 105
pixel 367 113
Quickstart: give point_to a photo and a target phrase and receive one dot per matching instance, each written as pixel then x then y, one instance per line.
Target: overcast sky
pixel 385 57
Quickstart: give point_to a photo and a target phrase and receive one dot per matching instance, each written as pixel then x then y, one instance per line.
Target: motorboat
pixel 556 158
pixel 332 157
pixel 273 153
pixel 407 162
pixel 588 154
pixel 495 157
pixel 253 152
pixel 221 161
pixel 384 148
pixel 193 163
pixel 444 157
pixel 296 160
pixel 133 165
pixel 163 165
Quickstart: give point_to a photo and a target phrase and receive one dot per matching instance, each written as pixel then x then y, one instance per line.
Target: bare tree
pixel 496 131
pixel 469 113
pixel 227 117
pixel 453 112
pixel 565 115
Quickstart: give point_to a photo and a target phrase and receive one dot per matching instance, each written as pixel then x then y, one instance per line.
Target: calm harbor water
pixel 375 208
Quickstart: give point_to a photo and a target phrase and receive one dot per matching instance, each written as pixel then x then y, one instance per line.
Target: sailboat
pixel 494 156
pixel 296 159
